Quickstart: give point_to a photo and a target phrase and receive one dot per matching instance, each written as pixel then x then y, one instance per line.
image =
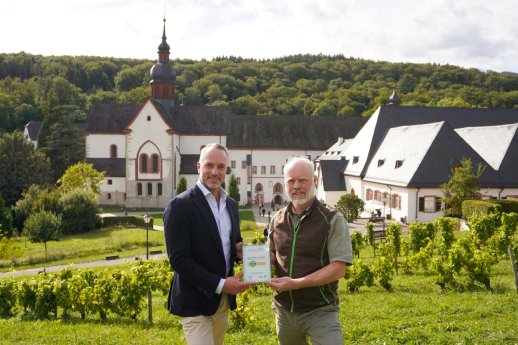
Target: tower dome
pixel 162 73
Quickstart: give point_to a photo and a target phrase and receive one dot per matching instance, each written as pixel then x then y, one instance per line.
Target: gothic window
pixel 154 163
pixel 149 189
pixel 113 151
pixel 159 189
pixel 143 163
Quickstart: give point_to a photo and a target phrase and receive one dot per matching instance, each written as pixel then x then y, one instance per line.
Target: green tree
pixel 64 145
pixel 81 175
pixel 233 188
pixel 35 199
pixel 43 227
pixel 80 211
pixel 20 166
pixel 181 186
pixel 350 206
pixel 6 219
pixel 461 186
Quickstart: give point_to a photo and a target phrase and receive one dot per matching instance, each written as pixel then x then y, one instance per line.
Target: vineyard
pixel 430 286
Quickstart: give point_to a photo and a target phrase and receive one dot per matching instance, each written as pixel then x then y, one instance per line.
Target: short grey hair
pixel 212 146
pixel 303 159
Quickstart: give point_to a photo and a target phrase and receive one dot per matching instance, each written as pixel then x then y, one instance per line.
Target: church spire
pixel 163 75
pixel 394 98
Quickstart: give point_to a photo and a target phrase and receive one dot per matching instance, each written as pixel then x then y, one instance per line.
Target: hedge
pixel 127 221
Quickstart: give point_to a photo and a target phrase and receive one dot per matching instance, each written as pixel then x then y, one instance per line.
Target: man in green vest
pixel 310 248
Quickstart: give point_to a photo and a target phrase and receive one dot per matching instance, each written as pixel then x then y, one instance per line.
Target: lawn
pixel 97 244
pixel 416 312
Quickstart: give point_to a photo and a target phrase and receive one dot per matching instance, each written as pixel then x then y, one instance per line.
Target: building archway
pixel 278 194
pixel 259 194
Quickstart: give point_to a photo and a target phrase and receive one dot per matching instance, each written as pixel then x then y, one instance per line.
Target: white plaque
pixel 256 263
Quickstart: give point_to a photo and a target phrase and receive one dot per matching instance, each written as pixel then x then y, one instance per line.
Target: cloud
pixel 469 33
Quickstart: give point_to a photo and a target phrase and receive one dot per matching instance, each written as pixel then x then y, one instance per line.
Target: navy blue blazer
pixel 196 254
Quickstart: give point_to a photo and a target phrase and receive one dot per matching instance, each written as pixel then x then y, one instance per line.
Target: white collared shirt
pixel 222 218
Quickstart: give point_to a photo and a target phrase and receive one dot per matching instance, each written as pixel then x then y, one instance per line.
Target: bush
pixel 126 221
pixel 357 241
pixel 350 206
pixel 7 297
pixel 420 234
pixel 479 207
pixel 507 205
pixel 9 250
pixel 79 211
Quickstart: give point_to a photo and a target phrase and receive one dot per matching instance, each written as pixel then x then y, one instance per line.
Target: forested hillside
pixel 34 87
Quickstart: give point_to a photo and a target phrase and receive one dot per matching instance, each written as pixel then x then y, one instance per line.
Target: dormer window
pixel 381 162
pixel 355 159
pixel 149 118
pixel 398 164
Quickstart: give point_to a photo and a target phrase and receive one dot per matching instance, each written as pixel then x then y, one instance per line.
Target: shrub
pixel 420 234
pixel 79 211
pixel 126 221
pixel 350 206
pixel 507 205
pixel 359 275
pixel 7 297
pixel 356 240
pixel 479 207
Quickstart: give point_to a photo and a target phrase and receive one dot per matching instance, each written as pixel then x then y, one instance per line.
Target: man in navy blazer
pixel 203 241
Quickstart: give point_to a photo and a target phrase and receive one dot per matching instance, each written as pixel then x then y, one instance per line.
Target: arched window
pixel 143 163
pixel 396 201
pixel 109 196
pixel 277 188
pixel 139 188
pixel 258 187
pixel 113 151
pixel 149 189
pixel 352 191
pixel 154 163
pixel 159 189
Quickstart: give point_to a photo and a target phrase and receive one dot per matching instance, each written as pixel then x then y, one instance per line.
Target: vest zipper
pixel 290 272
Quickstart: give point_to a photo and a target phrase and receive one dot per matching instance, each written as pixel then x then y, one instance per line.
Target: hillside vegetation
pixel 32 86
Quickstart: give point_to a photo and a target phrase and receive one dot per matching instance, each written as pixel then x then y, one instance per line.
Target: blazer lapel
pixel 206 213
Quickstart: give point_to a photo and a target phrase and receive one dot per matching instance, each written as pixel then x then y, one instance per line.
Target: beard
pixel 308 197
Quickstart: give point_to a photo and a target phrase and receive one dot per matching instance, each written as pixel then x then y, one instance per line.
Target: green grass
pixel 94 245
pixel 416 312
pixel 97 244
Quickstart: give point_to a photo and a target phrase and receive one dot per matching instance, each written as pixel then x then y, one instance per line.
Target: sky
pixel 467 33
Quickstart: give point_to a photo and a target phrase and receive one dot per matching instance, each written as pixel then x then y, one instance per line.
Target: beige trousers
pixel 207 330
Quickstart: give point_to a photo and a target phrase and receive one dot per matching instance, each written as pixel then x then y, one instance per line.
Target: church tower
pixel 163 75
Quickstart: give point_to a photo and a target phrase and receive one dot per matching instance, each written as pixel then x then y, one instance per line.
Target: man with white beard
pixel 310 247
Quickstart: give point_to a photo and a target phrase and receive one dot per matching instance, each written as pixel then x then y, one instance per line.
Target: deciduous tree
pixel 461 186
pixel 20 166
